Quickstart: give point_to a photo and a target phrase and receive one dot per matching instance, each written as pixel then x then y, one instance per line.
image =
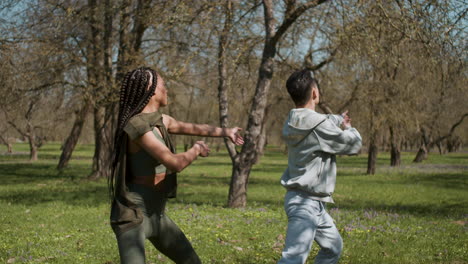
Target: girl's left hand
pixel 234 135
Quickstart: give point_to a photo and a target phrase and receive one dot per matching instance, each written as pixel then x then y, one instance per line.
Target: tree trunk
pixel 6 143
pixel 32 147
pixel 238 186
pixel 423 148
pixel 372 156
pixel 453 143
pixel 395 156
pixel 72 139
pixel 102 159
pixel 395 153
pixel 33 152
pixel 237 196
pixel 105 109
pixel 421 155
pixel 373 137
pixel 262 142
pixel 262 139
pixel 248 155
pixel 223 78
pixel 440 148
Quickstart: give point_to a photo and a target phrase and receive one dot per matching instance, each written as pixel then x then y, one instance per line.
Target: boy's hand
pixel 234 136
pixel 346 120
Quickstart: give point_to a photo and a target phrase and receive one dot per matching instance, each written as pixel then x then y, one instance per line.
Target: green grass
pixel 413 214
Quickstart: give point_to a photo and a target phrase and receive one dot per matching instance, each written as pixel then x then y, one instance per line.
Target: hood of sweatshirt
pixel 300 123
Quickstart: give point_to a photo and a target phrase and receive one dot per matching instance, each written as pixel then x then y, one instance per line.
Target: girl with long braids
pixel 145 166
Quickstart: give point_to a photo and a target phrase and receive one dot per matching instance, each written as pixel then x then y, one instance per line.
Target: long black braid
pixel 134 96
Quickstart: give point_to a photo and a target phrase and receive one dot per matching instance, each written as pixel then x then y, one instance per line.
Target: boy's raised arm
pixel 334 140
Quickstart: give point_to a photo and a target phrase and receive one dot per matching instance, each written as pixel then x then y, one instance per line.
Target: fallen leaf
pixel 239 248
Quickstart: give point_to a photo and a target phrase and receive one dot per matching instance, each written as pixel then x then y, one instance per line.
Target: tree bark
pixel 395 153
pixel 102 158
pixel 72 139
pixel 237 196
pixel 372 155
pixel 423 148
pixel 373 137
pixel 248 155
pixel 421 155
pixel 325 108
pixel 32 149
pixel 238 186
pixel 262 142
pixel 34 141
pixel 223 78
pixel 6 143
pixel 33 145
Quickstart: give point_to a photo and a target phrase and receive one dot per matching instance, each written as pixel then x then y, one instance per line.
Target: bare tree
pixel 248 155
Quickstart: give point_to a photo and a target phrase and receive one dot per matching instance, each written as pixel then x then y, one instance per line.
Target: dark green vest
pixel 124 213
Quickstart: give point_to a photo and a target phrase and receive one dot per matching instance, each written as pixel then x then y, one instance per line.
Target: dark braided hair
pixel 134 96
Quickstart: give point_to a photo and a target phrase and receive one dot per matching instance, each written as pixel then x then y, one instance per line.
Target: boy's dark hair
pixel 300 85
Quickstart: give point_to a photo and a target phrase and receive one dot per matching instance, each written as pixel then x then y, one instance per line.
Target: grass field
pixel 413 214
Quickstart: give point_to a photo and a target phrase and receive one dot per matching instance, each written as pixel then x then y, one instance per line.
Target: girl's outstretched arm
pixel 178 127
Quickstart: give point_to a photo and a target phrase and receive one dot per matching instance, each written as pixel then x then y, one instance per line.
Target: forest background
pixel 398 66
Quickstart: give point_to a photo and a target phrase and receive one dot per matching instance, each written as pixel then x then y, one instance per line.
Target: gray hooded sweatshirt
pixel 313 141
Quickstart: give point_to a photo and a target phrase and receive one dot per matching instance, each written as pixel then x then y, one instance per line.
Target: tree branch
pixel 17 129
pixel 316 67
pixel 452 129
pixel 292 17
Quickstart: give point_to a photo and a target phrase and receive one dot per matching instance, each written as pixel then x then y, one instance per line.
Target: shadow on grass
pixel 453 209
pixel 445 180
pixel 87 196
pixel 219 181
pixel 203 180
pixel 35 183
pixel 15 173
pixel 44 184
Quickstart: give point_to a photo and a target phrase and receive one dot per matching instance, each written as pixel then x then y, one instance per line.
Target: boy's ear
pixel 314 92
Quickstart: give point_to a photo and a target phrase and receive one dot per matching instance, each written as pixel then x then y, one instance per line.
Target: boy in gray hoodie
pixel 313 141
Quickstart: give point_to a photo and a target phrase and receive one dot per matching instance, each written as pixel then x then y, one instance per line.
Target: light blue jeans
pixel 308 221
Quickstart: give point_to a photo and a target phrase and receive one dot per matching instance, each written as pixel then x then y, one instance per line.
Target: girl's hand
pixel 234 135
pixel 204 149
